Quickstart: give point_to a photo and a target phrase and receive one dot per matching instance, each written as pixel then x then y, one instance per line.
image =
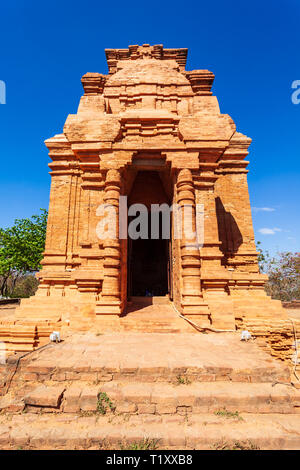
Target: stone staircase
pixel 152 315
pixel 160 399
pixel 181 391
pixel 206 431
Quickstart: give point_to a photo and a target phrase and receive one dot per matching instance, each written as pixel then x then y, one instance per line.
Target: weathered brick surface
pixel 126 407
pixel 44 396
pixel 89 398
pixel 180 432
pixel 144 408
pixel 166 408
pixel 71 402
pixel 11 405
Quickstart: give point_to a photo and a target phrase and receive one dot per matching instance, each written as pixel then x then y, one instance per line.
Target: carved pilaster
pixel 110 301
pixel 192 301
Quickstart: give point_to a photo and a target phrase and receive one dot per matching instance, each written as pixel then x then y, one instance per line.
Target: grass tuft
pixel 104 403
pixel 235 445
pixel 229 414
pixel 181 380
pixel 145 444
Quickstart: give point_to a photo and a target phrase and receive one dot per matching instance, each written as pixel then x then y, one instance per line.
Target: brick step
pixel 152 357
pixel 154 322
pixel 157 300
pixel 133 317
pixel 202 397
pixel 137 372
pixel 142 322
pixel 104 368
pixel 153 330
pixel 34 431
pixel 160 399
pixel 148 327
pixel 36 308
pixel 248 306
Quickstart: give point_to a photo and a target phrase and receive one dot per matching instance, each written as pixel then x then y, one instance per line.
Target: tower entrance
pixel 148 272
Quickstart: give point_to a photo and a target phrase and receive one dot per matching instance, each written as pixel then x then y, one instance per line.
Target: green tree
pixel 25 286
pixel 284 277
pixel 284 274
pixel 262 258
pixel 21 249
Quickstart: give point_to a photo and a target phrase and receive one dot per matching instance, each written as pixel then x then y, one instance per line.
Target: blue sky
pixel 252 47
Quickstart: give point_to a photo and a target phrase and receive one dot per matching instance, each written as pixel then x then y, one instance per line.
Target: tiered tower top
pixel 148 102
pixel 145 52
pixel 149 65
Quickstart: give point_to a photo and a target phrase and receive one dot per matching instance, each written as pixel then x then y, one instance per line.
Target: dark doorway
pixel 148 259
pixel 148 267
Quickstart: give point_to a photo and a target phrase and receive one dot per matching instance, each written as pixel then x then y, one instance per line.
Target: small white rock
pixel 245 336
pixel 55 336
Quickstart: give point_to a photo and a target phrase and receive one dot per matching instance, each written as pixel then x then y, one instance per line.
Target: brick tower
pixel 151 131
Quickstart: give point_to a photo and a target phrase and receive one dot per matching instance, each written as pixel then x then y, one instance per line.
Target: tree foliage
pixel 284 274
pixel 25 285
pixel 21 250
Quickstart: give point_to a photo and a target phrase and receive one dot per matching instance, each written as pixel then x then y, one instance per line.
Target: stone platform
pixel 180 390
pixel 154 357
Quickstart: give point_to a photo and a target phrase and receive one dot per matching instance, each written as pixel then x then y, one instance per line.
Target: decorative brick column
pixel 110 300
pixel 191 299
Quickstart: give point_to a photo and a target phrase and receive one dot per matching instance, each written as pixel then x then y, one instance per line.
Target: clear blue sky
pixel 252 47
